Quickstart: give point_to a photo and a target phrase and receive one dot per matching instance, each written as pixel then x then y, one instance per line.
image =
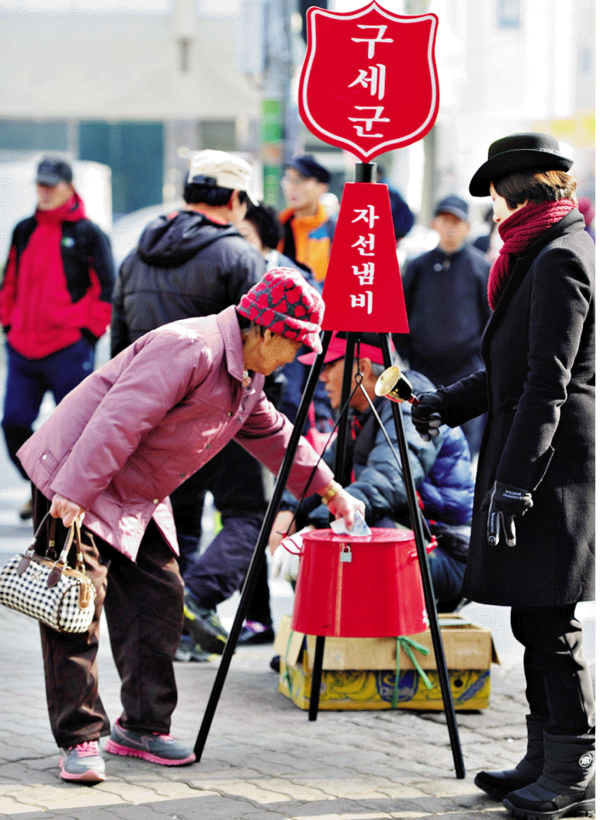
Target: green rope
pixel 287 678
pixel 402 642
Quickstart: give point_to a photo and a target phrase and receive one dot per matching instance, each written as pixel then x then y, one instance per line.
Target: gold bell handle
pixel 394 385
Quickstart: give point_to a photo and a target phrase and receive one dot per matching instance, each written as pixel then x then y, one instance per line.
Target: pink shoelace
pixel 87 749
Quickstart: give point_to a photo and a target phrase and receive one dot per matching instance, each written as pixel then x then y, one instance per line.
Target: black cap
pixel 308 166
pixel 52 171
pixel 453 205
pixel 518 152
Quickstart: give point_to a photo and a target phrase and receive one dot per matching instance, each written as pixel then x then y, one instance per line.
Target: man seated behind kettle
pixel 441 469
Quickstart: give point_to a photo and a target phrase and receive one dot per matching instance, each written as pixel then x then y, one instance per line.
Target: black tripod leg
pixel 317 673
pixel 263 538
pixel 343 460
pixel 343 468
pixel 415 519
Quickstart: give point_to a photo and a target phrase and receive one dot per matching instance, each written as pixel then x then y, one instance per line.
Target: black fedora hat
pixel 518 152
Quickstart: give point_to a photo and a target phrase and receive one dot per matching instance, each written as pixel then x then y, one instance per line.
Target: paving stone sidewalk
pixel 263 759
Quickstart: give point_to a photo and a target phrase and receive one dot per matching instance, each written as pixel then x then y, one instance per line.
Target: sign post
pixel 382 93
pixel 368 85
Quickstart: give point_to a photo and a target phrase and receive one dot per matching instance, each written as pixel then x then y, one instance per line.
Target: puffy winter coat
pixel 441 470
pixel 185 265
pixel 134 430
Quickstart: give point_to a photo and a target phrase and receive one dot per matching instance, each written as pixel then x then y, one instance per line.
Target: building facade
pixel 138 90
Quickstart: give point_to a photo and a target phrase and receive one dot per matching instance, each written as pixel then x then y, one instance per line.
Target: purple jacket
pixel 134 430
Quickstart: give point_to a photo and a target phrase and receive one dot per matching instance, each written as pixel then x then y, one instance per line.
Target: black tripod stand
pixel 364 173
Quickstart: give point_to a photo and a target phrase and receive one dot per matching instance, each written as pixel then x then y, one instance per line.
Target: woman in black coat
pixel 533 524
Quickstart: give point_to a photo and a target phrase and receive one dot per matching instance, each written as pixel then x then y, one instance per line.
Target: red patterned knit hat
pixel 284 302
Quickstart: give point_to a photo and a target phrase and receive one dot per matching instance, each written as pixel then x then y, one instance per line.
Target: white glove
pixel 286 558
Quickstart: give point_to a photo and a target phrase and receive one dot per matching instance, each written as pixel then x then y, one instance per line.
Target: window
pixel 26 135
pixel 134 151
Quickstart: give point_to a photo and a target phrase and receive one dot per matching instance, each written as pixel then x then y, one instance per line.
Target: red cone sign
pixel 369 81
pixel 363 286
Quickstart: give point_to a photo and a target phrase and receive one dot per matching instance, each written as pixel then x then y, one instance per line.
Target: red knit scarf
pixel 519 231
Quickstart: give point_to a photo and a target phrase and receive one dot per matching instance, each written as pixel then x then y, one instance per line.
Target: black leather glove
pixel 426 416
pixel 505 504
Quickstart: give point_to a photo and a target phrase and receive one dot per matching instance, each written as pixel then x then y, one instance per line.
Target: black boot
pixel 499 784
pixel 567 786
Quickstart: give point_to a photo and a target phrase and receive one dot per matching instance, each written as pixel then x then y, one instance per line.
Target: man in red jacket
pixel 54 303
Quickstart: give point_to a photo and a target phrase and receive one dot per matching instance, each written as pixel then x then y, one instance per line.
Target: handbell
pixel 394 385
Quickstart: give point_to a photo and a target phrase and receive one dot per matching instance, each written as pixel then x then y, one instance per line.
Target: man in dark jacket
pixel 54 303
pixel 441 471
pixel 192 263
pixel 445 291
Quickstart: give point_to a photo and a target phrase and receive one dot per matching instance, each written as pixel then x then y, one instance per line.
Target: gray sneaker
pixel 204 626
pixel 82 763
pixel 152 746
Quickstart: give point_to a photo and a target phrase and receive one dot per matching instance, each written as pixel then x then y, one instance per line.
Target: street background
pixel 130 88
pixel 263 760
pixel 127 89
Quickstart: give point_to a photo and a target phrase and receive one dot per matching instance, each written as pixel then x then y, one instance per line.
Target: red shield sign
pixel 369 81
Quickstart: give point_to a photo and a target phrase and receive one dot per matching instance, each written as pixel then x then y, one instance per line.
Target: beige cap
pixel 222 170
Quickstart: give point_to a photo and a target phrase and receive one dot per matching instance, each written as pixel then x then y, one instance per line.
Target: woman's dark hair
pixel 267 224
pixel 210 194
pixel 535 186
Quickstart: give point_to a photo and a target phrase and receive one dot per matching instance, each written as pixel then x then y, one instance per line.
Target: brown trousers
pixel 143 604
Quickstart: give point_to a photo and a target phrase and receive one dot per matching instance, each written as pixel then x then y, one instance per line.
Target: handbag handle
pixel 74 533
pixel 31 548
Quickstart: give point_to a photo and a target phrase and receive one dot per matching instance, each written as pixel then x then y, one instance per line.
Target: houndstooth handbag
pixel 47 588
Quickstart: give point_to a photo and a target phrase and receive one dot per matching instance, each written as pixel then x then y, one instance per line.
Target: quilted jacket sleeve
pixel 266 435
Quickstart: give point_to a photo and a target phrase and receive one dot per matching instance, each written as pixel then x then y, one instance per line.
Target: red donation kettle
pixel 366 587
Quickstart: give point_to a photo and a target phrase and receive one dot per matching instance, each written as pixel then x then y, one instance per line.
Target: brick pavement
pixel 263 760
